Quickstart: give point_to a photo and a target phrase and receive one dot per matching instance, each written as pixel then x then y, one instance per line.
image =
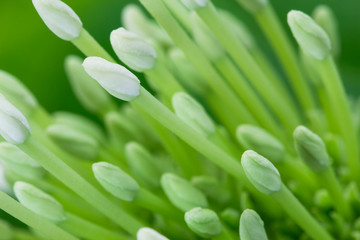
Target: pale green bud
pixel 261 172
pixel 181 193
pixel 59 18
pixel 204 222
pixel 90 94
pixel 195 4
pixel 142 165
pixel 6 233
pixel 73 141
pixel 205 39
pixel 310 36
pixel 259 140
pixel 39 202
pixel 325 17
pixel 149 234
pixel 251 226
pixel 253 6
pixel 19 162
pixel 322 199
pixel 14 127
pixel 114 78
pixel 116 181
pixel 192 113
pixel 311 149
pixel 12 88
pixel 133 50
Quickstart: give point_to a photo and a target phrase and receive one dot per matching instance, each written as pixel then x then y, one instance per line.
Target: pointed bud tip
pixel 204 222
pixel 149 234
pixel 251 226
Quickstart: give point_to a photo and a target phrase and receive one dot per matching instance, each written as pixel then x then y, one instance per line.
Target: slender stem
pixel 273 30
pixel 79 185
pixel 224 235
pixel 337 97
pixel 180 12
pixel 47 229
pixel 195 55
pixel 90 47
pixel 300 215
pixel 328 179
pixel 285 112
pixel 88 230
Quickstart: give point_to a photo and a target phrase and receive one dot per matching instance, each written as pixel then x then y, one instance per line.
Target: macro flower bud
pixel 73 141
pixel 133 50
pixel 14 127
pixel 204 222
pixel 39 202
pixel 59 18
pixel 191 112
pixel 141 164
pixel 19 162
pixel 261 172
pixel 181 193
pixel 195 4
pixel 310 36
pixel 311 149
pixel 251 226
pixel 114 78
pixel 149 234
pixel 253 6
pixel 259 140
pixel 90 94
pixel 116 181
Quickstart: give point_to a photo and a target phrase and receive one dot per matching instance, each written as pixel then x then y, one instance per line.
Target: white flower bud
pixel 149 234
pixel 114 78
pixel 14 127
pixel 195 4
pixel 133 50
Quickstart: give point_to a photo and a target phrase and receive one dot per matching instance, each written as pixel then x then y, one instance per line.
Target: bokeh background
pixel 35 55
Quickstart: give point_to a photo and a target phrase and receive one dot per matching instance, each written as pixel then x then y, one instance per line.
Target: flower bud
pixel 59 18
pixel 149 234
pixel 191 112
pixel 181 193
pixel 311 149
pixel 133 50
pixel 142 165
pixel 259 140
pixel 251 226
pixel 39 202
pixel 261 172
pixel 14 127
pixel 253 6
pixel 323 200
pixel 73 141
pixel 90 94
pixel 114 78
pixel 310 36
pixel 195 4
pixel 19 162
pixel 204 222
pixel 116 181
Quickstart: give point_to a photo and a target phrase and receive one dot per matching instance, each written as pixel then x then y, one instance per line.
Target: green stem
pixel 47 229
pixel 300 215
pixel 337 97
pixel 180 12
pixel 195 55
pixel 88 230
pixel 328 179
pixel 79 185
pixel 273 30
pixel 285 112
pixel 90 47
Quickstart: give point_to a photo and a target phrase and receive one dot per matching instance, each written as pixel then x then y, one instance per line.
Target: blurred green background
pixel 35 55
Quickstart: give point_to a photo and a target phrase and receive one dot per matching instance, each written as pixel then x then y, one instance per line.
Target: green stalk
pixel 337 97
pixel 79 185
pixel 90 47
pixel 47 229
pixel 300 215
pixel 198 59
pixel 285 112
pixel 88 230
pixel 273 30
pixel 180 12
